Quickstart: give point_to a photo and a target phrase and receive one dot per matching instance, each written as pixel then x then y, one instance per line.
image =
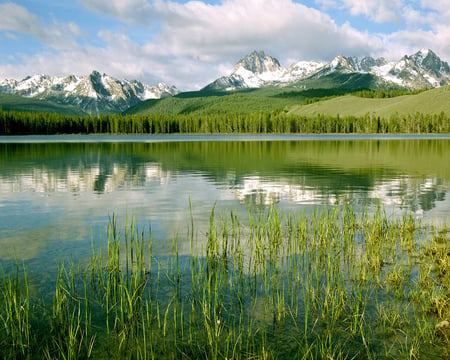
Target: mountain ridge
pixel 94 94
pixel 419 70
pixel 99 93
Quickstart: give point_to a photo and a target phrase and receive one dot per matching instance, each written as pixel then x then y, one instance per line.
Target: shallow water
pixel 57 192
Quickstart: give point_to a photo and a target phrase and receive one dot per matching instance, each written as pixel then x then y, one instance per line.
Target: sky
pixel 191 43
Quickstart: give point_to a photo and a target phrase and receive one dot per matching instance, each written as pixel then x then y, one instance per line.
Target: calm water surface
pixel 56 193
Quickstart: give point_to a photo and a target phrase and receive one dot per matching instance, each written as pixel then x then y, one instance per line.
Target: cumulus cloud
pixel 190 44
pixel 197 41
pixel 234 27
pixel 17 18
pixel 380 11
pixel 426 25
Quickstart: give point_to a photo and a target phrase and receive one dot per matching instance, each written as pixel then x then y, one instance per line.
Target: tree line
pixel 23 123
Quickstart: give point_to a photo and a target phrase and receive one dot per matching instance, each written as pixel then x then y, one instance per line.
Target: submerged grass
pixel 334 285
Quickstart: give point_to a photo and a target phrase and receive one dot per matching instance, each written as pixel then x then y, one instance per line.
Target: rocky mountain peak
pixel 429 61
pixel 341 62
pixel 422 69
pixel 258 63
pixel 367 63
pixel 93 94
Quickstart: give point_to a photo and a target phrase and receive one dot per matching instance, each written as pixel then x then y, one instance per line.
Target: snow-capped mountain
pixel 94 94
pixel 258 69
pixel 301 70
pixel 255 70
pixel 423 69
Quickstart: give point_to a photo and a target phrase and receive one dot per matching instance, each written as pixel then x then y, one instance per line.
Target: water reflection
pixel 53 194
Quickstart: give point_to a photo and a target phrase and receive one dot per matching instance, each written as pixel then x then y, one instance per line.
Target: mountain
pixel 100 93
pixel 253 71
pixel 258 70
pixel 420 70
pixel 93 94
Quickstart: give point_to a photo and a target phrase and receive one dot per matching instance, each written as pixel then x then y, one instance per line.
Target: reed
pixel 335 284
pixel 15 328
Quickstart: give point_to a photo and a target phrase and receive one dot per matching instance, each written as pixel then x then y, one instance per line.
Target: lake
pixel 58 192
pixel 288 246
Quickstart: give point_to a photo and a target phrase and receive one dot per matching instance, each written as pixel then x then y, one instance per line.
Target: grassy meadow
pixel 429 102
pixel 335 285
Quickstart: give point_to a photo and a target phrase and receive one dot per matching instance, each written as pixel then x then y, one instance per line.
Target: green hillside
pixel 266 99
pixel 10 102
pixel 432 101
pixel 242 101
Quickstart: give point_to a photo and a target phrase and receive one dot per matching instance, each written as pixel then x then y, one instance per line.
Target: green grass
pixel 267 99
pixel 10 102
pixel 431 102
pixel 270 99
pixel 334 284
pixel 243 101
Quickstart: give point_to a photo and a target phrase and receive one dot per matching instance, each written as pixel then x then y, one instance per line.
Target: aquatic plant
pixel 334 284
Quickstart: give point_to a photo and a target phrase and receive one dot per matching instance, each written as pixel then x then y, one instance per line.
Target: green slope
pixel 433 101
pixel 242 101
pixel 18 103
pixel 266 99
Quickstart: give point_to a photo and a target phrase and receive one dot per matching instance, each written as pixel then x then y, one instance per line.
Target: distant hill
pixel 18 103
pixel 266 99
pixel 432 101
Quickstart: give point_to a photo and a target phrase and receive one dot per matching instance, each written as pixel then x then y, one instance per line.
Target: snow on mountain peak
pixel 257 69
pixel 422 69
pixel 302 69
pixel 93 93
pixel 339 60
pixel 258 63
pixel 424 52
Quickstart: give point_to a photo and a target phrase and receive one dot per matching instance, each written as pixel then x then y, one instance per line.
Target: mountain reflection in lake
pixel 56 197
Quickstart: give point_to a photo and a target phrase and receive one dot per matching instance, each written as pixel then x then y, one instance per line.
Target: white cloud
pixel 416 19
pixel 427 25
pixel 18 19
pixel 440 6
pixel 196 42
pixel 380 11
pixel 234 27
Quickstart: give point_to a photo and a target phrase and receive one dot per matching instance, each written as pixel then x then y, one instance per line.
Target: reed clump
pixel 334 284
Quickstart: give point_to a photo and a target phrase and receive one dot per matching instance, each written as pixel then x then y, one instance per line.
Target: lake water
pixel 57 193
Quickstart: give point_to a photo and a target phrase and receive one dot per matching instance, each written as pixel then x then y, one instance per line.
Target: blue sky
pixel 190 43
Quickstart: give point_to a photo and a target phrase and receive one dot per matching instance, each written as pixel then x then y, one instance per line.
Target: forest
pixel 24 123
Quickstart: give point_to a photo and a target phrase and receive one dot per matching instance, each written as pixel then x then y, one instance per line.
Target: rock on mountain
pixel 253 71
pixel 258 69
pixel 423 69
pixel 93 94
